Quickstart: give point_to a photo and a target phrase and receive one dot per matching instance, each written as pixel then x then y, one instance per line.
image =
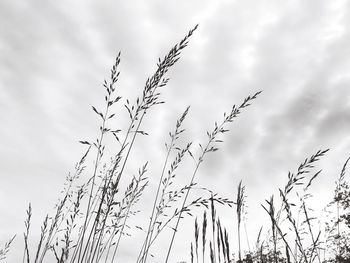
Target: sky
pixel 54 56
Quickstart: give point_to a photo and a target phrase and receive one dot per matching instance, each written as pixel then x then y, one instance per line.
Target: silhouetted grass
pixel 295 235
pixel 92 216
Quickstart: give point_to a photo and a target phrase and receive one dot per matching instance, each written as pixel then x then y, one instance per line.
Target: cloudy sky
pixel 54 56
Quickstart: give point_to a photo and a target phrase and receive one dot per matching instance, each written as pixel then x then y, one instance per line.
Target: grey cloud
pixel 55 54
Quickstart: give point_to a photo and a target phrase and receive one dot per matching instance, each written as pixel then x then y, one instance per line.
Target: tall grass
pixel 92 217
pixel 293 225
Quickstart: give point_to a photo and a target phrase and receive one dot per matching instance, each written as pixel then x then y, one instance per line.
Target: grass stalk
pixel 212 139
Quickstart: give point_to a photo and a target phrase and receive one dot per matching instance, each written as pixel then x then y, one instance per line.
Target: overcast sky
pixel 54 56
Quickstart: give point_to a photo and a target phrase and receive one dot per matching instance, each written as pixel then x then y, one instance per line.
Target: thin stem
pixel 209 148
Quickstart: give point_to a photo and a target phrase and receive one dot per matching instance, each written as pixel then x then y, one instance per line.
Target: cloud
pixel 54 57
